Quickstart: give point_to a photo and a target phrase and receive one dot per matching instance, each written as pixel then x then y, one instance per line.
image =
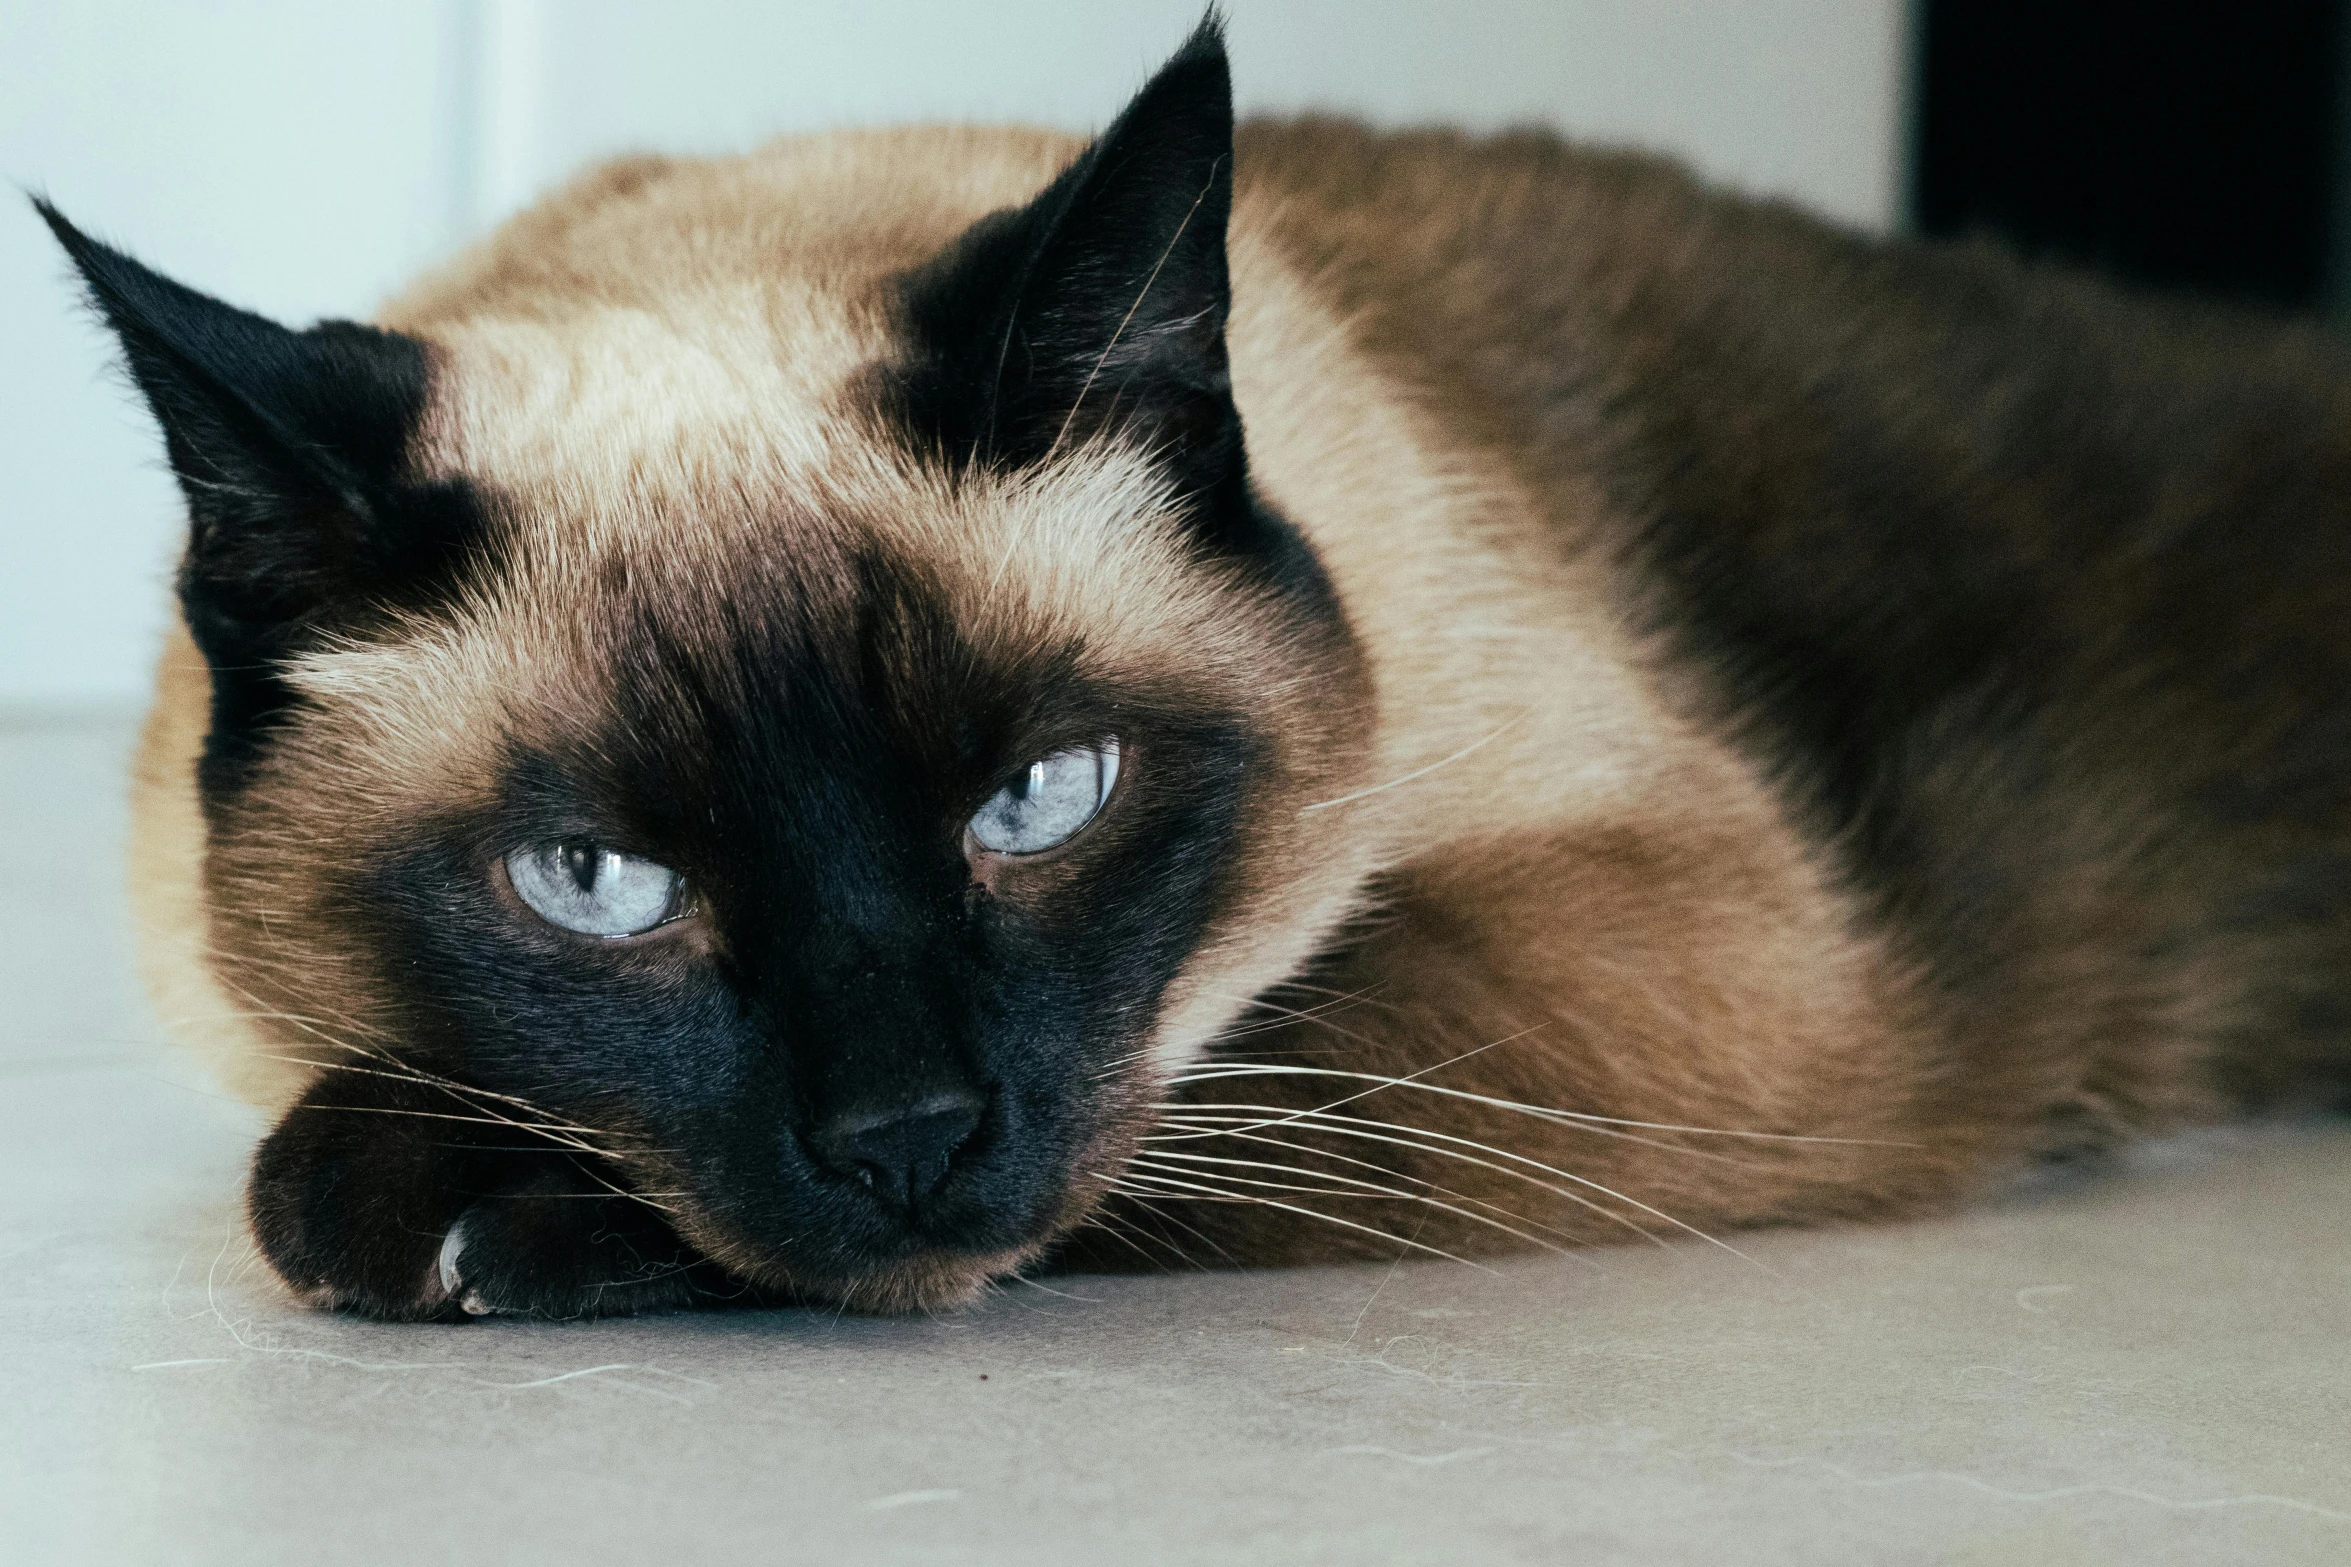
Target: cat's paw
pixel 560 1249
pixel 376 1195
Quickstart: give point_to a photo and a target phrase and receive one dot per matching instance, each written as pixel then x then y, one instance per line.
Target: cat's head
pixel 787 684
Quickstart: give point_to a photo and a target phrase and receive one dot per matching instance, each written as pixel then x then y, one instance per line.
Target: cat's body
pixel 1823 721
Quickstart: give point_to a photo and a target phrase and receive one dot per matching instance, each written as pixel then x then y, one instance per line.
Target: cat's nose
pixel 901 1153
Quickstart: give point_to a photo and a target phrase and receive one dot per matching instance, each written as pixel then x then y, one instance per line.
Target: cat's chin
pixel 924 1282
pixel 928 1280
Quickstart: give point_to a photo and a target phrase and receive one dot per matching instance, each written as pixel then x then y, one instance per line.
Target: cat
pixel 839 724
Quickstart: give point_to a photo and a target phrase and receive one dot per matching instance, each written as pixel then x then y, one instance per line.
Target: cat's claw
pixel 449 1267
pixel 446 1265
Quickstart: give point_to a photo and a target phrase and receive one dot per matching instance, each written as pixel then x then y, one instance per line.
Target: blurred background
pixel 302 159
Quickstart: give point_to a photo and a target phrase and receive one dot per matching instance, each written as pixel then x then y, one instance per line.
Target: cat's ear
pixel 1101 305
pixel 290 446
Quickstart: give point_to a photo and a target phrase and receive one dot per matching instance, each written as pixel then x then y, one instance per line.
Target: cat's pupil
pixel 1030 782
pixel 580 860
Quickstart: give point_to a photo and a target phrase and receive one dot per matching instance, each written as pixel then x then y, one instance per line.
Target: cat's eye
pixel 1045 806
pixel 594 890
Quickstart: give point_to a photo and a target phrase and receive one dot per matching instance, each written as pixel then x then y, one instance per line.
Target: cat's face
pixel 810 755
pixel 834 885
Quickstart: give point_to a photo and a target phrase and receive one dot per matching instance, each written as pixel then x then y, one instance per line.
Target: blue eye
pixel 594 890
pixel 1046 805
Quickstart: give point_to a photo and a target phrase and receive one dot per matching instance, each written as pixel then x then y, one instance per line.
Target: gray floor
pixel 2153 1367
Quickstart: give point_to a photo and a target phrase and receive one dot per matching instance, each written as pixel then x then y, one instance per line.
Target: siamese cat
pixel 842 723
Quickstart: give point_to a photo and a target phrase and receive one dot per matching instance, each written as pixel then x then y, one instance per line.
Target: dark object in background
pixel 2191 145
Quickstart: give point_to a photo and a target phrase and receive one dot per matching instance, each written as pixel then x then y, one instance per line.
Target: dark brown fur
pixel 2034 599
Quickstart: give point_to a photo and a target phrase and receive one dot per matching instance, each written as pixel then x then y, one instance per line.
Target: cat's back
pixel 2033 593
pixel 1863 477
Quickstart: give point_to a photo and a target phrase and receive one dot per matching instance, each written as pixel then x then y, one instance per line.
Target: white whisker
pixel 1204 1239
pixel 647 1198
pixel 1288 1015
pixel 1418 772
pixel 455 1090
pixel 1124 1231
pixel 1208 1071
pixel 1211 1195
pixel 1212 1071
pixel 1351 1182
pixel 1351 1126
pixel 1239 1135
pixel 1342 1123
pixel 470 1120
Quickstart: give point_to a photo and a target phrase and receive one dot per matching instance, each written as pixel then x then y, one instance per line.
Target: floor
pixel 2149 1367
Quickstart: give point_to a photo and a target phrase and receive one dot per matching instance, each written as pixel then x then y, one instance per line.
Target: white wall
pixel 300 158
pixel 291 157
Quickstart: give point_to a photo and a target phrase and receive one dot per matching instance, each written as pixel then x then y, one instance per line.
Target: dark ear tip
pixel 67 235
pixel 1203 51
pixel 1196 81
pixel 1208 37
pixel 86 252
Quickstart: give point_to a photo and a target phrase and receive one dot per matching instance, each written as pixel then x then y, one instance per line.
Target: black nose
pixel 904 1152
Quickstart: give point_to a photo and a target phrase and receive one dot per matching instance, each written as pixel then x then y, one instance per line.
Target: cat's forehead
pixel 733 455
pixel 664 397
pixel 750 377
pixel 662 324
pixel 752 551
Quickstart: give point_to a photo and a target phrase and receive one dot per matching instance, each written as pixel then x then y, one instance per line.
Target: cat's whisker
pixel 1419 772
pixel 1198 1234
pixel 1591 1128
pixel 1333 1185
pixel 1349 1126
pixel 1287 1015
pixel 307 1023
pixel 995 1288
pixel 469 1120
pixel 400 1068
pixel 1212 1071
pixel 1309 1151
pixel 1365 995
pixel 578 1196
pixel 1354 1183
pixel 1124 1232
pixel 1117 1064
pixel 1208 1071
pixel 465 1096
pixel 1284 1016
pixel 1205 1239
pixel 1352 1126
pixel 400 1071
pixel 1284 1053
pixel 223 963
pixel 647 1198
pixel 1210 1194
pixel 1166 1259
